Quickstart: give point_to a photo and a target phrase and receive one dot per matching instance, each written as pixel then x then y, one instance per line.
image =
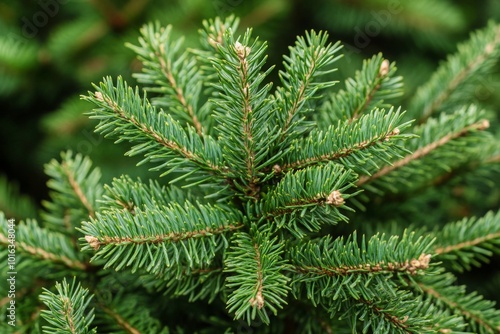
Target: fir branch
pixel 243 110
pixel 448 86
pixel 42 244
pixel 67 309
pixel 309 60
pixel 342 270
pixel 469 242
pixel 212 34
pixel 125 193
pixel 352 144
pixel 480 314
pixel 124 113
pixel 436 135
pixel 254 263
pixel 398 312
pixel 369 89
pixel 308 198
pixel 76 190
pixel 13 203
pixel 130 313
pixel 175 76
pixel 204 282
pixel 156 238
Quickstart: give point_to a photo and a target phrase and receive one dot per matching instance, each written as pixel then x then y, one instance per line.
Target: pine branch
pixel 67 309
pixel 369 89
pixel 310 59
pixel 354 144
pixel 469 242
pixel 450 84
pixel 480 314
pixel 341 270
pixel 308 198
pixel 124 113
pixel 170 73
pixel 76 189
pixel 434 150
pixel 254 263
pixel 157 238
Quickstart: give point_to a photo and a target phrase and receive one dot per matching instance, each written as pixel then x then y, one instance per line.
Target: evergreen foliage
pixel 259 186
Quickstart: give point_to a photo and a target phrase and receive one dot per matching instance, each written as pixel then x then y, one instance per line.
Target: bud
pixel 384 68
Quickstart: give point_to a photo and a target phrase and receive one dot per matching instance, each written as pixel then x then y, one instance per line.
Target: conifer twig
pixel 481 125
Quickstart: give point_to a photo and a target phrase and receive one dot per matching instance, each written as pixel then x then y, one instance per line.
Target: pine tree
pixel 273 213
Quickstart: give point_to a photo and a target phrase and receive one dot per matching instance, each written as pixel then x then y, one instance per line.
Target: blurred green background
pixel 52 50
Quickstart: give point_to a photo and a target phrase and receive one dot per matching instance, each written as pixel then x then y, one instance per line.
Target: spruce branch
pixel 369 89
pixel 469 242
pixel 255 264
pixel 67 309
pixel 157 238
pixel 124 113
pixel 450 84
pixel 168 72
pixel 351 143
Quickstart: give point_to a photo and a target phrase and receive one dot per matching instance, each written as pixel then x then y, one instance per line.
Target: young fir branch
pixel 370 88
pixel 398 312
pixel 436 150
pixel 127 194
pixel 479 313
pixel 200 283
pixel 242 110
pixel 255 264
pixel 356 144
pixel 158 238
pixel 75 192
pixel 13 203
pixel 211 38
pixel 212 34
pixel 170 73
pixel 35 242
pixel 468 242
pixel 127 313
pixel 451 83
pixel 309 60
pixel 67 311
pixel 308 198
pixel 341 270
pixel 123 113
